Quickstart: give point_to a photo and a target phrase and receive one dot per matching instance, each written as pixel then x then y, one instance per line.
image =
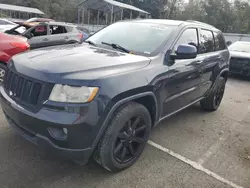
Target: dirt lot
pixel 190 149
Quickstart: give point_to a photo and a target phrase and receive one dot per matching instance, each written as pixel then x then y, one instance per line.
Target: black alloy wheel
pixel 219 94
pixel 125 138
pixel 130 140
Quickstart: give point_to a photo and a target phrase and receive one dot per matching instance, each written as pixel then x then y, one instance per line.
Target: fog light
pixel 65 131
pixel 58 133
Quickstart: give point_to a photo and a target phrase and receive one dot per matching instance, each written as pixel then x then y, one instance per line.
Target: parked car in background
pixel 103 97
pixel 10 45
pixel 6 25
pixel 85 32
pixel 240 58
pixel 47 34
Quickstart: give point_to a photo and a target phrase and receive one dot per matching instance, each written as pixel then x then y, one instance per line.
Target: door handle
pixel 195 63
pixel 66 38
pixel 46 39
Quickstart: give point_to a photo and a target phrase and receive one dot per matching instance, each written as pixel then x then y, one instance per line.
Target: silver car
pixel 47 34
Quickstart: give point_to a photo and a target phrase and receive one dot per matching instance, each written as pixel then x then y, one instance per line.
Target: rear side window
pixel 189 36
pixel 219 41
pixel 56 29
pixel 206 41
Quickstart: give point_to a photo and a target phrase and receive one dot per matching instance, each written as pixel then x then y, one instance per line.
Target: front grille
pixel 26 91
pixel 239 62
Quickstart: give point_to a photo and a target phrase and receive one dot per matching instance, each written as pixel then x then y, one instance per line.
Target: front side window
pixel 189 36
pixel 39 30
pixel 142 38
pixel 206 41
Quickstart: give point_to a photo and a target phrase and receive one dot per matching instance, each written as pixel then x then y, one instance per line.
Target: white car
pixel 6 25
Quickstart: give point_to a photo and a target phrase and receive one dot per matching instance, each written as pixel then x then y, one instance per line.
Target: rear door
pixel 182 86
pixel 211 52
pixel 58 35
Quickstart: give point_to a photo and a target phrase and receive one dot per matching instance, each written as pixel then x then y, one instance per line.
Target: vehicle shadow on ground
pixel 30 167
pixel 240 78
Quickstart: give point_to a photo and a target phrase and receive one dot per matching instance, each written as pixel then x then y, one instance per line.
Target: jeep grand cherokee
pixel 102 98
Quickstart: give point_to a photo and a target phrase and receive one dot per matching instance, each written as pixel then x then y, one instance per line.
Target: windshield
pixel 240 47
pixel 140 38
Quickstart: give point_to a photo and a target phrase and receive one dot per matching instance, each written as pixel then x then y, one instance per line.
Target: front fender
pixel 118 104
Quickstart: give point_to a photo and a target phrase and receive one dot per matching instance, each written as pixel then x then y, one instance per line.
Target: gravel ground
pixel 218 141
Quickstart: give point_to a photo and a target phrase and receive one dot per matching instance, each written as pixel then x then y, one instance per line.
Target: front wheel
pixel 213 101
pixel 125 139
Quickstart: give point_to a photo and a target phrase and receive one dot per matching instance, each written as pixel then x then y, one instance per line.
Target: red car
pixel 9 46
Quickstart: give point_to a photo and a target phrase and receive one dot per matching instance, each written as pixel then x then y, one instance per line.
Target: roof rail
pixel 200 23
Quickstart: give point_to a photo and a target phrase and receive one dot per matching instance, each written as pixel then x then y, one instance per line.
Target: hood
pixel 239 54
pixel 76 63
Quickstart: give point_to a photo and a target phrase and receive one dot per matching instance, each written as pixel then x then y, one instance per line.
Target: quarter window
pixel 189 36
pixel 219 41
pixel 206 41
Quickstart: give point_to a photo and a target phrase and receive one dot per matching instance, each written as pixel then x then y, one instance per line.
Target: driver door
pixel 38 36
pixel 182 87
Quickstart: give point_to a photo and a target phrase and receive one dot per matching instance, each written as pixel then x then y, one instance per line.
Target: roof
pixel 20 8
pixel 103 5
pixel 159 21
pixel 174 22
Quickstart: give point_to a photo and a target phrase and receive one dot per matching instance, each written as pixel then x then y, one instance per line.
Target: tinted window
pixel 40 30
pixel 189 36
pixel 55 29
pixel 207 41
pixel 142 38
pixel 3 22
pixel 219 41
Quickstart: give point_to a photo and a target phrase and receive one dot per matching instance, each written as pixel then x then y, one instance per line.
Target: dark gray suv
pixel 102 98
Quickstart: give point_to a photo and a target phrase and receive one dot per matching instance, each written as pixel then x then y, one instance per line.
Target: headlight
pixel 72 94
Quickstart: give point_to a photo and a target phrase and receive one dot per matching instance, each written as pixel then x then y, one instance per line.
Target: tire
pixel 213 101
pixel 125 138
pixel 2 72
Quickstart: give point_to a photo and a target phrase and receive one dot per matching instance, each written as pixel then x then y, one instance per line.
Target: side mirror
pixel 185 51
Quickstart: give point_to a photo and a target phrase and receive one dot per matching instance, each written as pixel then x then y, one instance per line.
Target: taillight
pixel 80 36
pixel 20 45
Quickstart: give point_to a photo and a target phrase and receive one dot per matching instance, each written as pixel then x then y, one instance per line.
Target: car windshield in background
pixel 142 38
pixel 240 47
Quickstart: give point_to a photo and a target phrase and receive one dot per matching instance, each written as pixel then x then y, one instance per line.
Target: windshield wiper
pixel 90 42
pixel 117 46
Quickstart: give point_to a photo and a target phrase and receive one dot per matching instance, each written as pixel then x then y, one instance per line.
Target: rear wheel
pixel 212 102
pixel 2 72
pixel 125 139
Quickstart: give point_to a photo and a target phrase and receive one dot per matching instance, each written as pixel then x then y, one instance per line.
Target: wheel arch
pixel 139 98
pixel 224 73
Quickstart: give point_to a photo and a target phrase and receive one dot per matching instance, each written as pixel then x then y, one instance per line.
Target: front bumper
pixel 240 70
pixel 82 128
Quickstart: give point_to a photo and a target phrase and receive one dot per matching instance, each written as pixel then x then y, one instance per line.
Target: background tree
pixel 226 15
